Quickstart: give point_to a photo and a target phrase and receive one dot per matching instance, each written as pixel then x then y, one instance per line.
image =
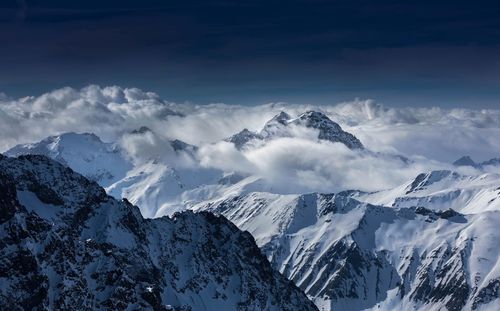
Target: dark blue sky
pixel 400 53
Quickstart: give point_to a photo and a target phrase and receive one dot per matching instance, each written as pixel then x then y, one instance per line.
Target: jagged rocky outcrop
pixel 349 255
pixel 66 245
pixel 279 126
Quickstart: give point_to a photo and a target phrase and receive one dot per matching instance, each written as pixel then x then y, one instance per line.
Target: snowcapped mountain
pixel 441 190
pixel 66 245
pixel 155 186
pixel 349 255
pixel 328 130
pixel 427 244
pixel 84 153
pixel 158 186
pixel 281 126
pixel 151 185
pixel 241 138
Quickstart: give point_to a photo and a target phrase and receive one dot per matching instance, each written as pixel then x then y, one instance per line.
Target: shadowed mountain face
pixel 66 245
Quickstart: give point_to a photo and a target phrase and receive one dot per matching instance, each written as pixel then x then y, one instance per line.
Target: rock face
pixel 349 255
pixel 279 126
pixel 65 244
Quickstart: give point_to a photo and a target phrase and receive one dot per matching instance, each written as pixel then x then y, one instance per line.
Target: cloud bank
pixel 431 137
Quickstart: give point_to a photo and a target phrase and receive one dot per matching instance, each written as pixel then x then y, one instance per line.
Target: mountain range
pixel 427 244
pixel 67 245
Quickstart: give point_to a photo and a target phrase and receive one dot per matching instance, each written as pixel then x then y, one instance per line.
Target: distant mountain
pixel 328 130
pixel 241 138
pixel 467 161
pixel 494 161
pixel 441 190
pixel 279 126
pixel 66 245
pixel 151 185
pixel 176 144
pixel 84 153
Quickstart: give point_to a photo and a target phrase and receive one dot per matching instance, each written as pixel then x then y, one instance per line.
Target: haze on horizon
pixel 421 53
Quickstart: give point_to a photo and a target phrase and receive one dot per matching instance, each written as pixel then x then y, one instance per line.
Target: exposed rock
pixel 84 250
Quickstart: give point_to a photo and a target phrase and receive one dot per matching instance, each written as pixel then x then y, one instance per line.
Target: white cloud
pixel 224 156
pixel 297 165
pixel 439 135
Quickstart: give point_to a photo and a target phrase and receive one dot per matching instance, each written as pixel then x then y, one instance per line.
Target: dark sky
pixel 400 53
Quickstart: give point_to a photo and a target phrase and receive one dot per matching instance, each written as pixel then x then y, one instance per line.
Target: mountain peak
pixel 465 161
pixel 241 138
pixel 141 130
pixel 318 120
pixel 278 127
pixel 281 118
pixel 179 145
pixel 85 153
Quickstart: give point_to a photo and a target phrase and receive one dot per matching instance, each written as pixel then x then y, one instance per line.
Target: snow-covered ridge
pixel 441 190
pixel 85 153
pixel 66 245
pixel 346 254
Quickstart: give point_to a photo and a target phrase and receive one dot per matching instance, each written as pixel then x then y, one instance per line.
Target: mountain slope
pixel 65 244
pixel 84 153
pixel 441 190
pixel 150 184
pixel 350 255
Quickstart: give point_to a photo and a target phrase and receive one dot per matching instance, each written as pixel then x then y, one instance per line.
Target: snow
pixel 84 153
pixel 401 235
pixel 441 190
pixel 33 204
